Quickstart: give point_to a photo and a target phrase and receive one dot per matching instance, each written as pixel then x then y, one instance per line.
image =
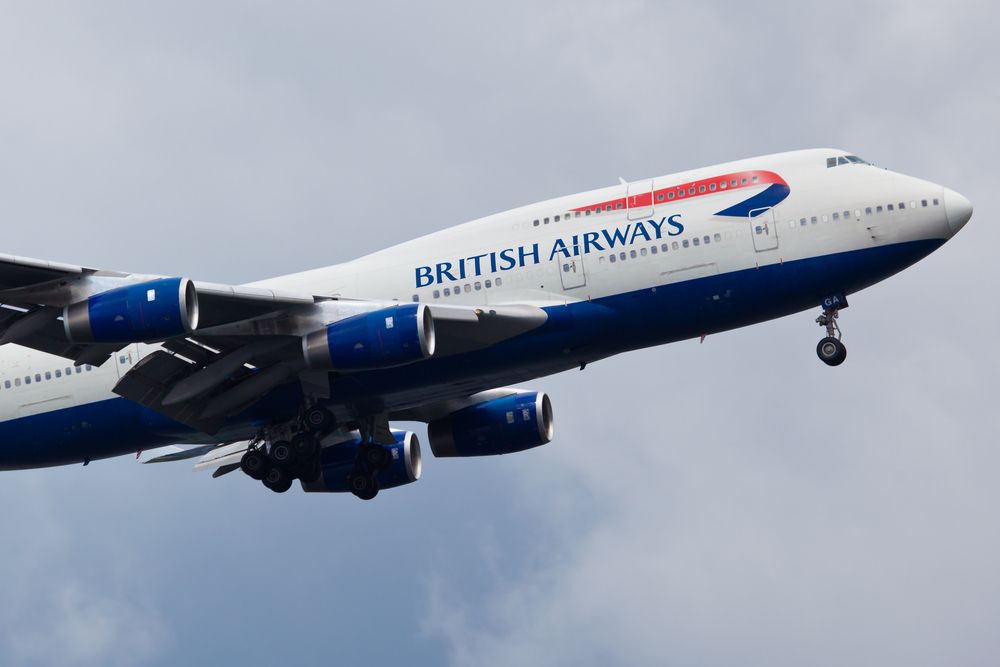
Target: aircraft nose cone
pixel 957 208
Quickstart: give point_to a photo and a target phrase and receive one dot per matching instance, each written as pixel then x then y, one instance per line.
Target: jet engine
pixel 139 313
pixel 499 426
pixel 383 338
pixel 337 462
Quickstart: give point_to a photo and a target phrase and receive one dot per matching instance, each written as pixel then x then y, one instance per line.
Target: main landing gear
pixel 830 350
pixel 372 458
pixel 285 460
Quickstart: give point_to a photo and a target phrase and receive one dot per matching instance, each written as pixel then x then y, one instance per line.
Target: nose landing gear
pixel 830 350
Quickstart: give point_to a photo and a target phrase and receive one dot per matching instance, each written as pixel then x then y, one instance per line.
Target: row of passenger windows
pixel 869 210
pixel 678 193
pixel 48 375
pixel 656 249
pixel 468 287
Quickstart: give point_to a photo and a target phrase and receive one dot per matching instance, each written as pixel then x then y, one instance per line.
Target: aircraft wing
pixel 244 341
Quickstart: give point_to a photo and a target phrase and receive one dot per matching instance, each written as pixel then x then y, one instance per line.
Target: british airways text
pixel 526 255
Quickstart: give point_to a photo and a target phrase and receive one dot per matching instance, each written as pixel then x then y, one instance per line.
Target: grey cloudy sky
pixel 731 502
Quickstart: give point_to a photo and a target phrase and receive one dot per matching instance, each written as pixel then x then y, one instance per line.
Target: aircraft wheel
pixel 254 464
pixel 375 457
pixel 362 485
pixel 282 453
pixel 318 419
pixel 305 446
pixel 278 480
pixel 831 351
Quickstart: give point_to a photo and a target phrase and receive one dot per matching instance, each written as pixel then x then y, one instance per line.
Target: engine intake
pixel 500 426
pixel 139 313
pixel 337 462
pixel 383 338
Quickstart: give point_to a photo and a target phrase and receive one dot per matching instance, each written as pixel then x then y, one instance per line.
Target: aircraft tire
pixel 282 453
pixel 318 419
pixel 254 464
pixel 278 480
pixel 831 351
pixel 305 447
pixel 376 457
pixel 363 485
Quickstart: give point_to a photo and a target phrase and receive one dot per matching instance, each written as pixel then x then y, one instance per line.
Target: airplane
pixel 300 377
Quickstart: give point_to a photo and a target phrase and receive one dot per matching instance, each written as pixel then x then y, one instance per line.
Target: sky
pixel 730 502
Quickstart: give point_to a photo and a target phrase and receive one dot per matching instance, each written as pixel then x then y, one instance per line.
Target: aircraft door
pixel 125 359
pixel 763 229
pixel 571 270
pixel 639 200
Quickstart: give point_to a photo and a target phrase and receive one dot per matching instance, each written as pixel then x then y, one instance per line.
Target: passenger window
pixel 813 219
pixel 48 374
pixel 802 221
pixel 618 205
pixel 902 205
pixel 468 288
pixel 565 268
pixel 38 377
pixel 545 221
pixel 608 207
pixel 670 195
pixel 936 202
pixel 868 210
pixel 707 239
pixel 535 223
pixel 6 384
pixel 17 382
pixel 447 291
pixel 642 251
pixel 621 256
pixel 659 196
pixel 701 188
pixel 653 249
pixel 489 283
pixel 890 207
pixel 27 379
pixel 691 190
pixel 499 282
pixel 79 369
pixel 711 187
pixel 836 215
pixel 556 219
pixel 733 183
pixel 718 237
pixel 696 241
pixel 923 202
pixel 722 185
pixel 755 178
pixel 437 294
pixel 576 215
pixel 675 246
pixel 686 243
pixel 632 254
pixel 587 212
pixel 743 181
pixel 847 214
pixel 663 247
pixel 878 209
pixel 613 258
pixel 479 285
pixel 416 298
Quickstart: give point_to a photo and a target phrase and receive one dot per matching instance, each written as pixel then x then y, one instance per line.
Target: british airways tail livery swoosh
pixel 301 376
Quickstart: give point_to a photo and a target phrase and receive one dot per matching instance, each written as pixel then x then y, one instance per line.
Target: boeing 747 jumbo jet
pixel 300 377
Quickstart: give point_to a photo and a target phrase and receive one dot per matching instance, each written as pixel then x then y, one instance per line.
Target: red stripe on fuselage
pixel 689 190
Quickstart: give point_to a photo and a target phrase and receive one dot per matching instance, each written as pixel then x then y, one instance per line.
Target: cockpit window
pixel 844 159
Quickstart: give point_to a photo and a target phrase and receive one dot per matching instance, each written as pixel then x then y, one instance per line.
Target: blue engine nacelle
pixel 337 462
pixel 139 313
pixel 500 426
pixel 383 338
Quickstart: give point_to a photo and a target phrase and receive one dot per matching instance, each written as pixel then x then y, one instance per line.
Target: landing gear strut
pixel 831 351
